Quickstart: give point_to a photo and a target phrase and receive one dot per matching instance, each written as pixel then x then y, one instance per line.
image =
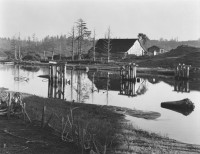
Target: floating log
pixel 184 106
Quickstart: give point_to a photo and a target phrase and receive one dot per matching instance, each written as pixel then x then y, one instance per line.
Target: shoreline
pixel 115 67
pixel 139 142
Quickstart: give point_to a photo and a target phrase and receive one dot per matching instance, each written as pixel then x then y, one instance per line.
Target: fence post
pixel 43 116
pixel 9 105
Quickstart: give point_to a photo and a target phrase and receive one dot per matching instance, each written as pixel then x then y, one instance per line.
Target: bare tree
pixel 52 45
pixel 72 35
pixel 94 56
pixel 107 44
pixel 13 46
pixel 19 47
pixel 82 33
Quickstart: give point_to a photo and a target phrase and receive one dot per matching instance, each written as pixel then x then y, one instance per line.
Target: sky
pixel 126 18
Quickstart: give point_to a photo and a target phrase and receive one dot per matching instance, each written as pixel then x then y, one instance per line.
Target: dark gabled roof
pixel 117 45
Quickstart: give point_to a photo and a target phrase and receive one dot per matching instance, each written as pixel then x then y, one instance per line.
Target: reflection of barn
pixel 103 81
pixel 69 84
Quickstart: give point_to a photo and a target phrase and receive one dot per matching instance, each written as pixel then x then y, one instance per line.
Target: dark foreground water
pixel 104 88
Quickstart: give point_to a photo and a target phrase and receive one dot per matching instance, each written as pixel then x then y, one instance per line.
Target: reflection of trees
pixel 142 88
pixel 82 87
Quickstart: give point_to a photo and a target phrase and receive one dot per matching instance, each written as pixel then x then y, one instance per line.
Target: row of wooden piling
pixel 128 74
pixel 57 81
pixel 127 88
pixel 182 86
pixel 182 71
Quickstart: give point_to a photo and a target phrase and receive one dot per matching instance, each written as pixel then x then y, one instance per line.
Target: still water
pixel 104 88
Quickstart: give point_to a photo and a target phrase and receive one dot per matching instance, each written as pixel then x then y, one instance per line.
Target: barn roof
pixel 117 45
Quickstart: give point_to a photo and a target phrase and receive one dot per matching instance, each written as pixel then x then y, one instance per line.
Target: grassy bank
pixel 99 128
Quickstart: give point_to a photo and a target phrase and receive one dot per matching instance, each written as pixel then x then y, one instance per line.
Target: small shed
pixel 155 50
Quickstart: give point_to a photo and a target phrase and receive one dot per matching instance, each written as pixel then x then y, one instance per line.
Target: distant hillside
pixel 182 54
pixel 169 45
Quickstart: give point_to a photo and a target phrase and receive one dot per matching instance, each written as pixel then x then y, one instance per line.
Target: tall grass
pixel 89 127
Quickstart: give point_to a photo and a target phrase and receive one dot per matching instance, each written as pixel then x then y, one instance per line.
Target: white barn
pixel 136 49
pixel 121 47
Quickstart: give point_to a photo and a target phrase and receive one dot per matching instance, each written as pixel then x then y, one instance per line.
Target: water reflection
pixel 133 88
pixel 181 86
pixel 30 68
pixel 104 87
pixel 80 86
pixel 18 77
pixel 69 84
pixel 56 85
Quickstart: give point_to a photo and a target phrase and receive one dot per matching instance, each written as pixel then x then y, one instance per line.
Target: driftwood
pixel 184 106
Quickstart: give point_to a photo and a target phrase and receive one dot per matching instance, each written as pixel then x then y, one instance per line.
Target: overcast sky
pixel 126 18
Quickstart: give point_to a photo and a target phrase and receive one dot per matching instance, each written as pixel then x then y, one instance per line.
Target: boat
pixel 184 106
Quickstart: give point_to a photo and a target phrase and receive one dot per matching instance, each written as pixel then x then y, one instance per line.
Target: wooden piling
pixel 187 71
pixel 182 71
pixel 134 71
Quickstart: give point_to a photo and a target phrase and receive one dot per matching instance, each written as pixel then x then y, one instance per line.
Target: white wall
pixel 136 49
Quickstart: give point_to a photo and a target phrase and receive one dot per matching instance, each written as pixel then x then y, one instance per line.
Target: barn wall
pixel 136 49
